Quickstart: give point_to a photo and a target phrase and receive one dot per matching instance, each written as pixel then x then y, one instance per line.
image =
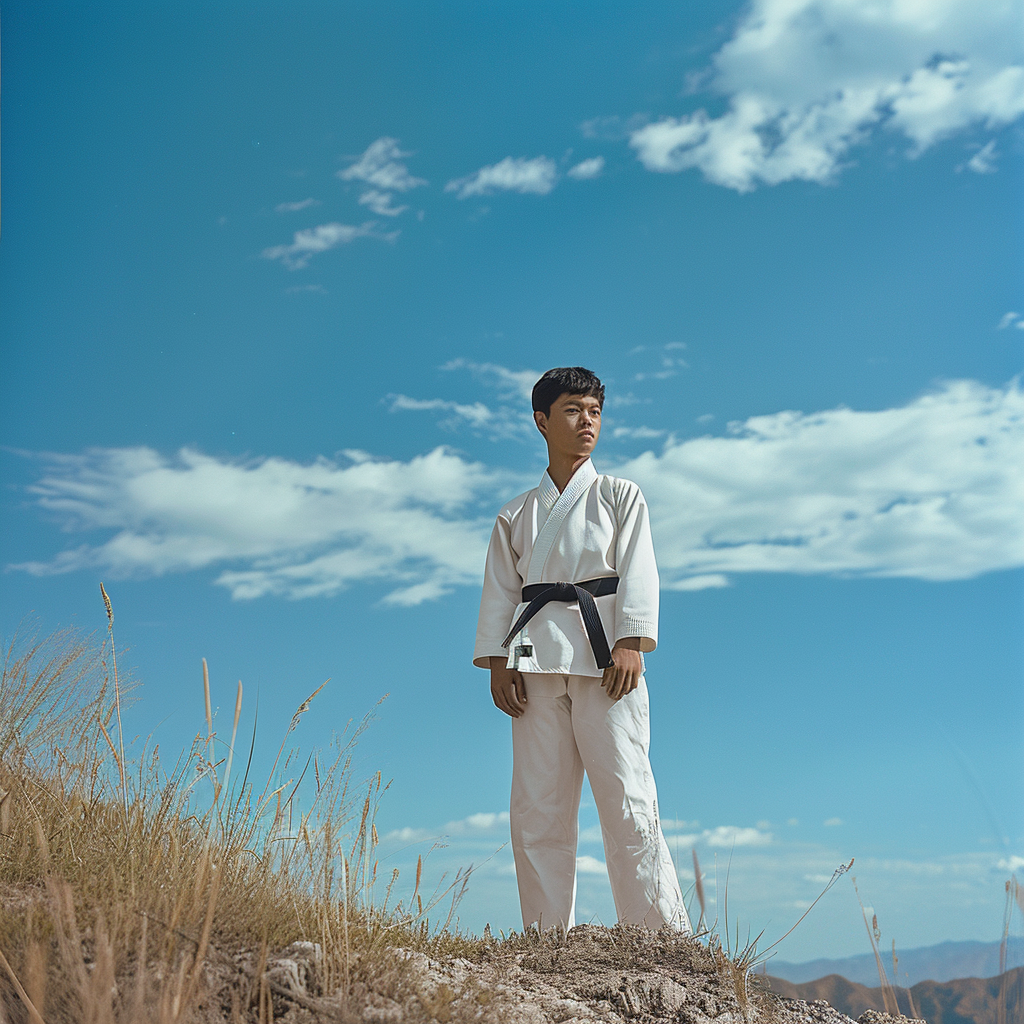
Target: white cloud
pixel 807 80
pixel 832 822
pixel 1010 319
pixel 275 526
pixel 587 169
pixel 313 241
pixel 1011 864
pixel 471 826
pixel 587 865
pixel 536 176
pixel 381 165
pixel 732 835
pixel 710 581
pixel 295 207
pixel 380 203
pixel 933 490
pixel 726 836
pixel 984 161
pixel 487 819
pixel 677 824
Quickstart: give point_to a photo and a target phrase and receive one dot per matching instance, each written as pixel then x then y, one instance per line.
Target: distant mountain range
pixel 964 1001
pixel 944 962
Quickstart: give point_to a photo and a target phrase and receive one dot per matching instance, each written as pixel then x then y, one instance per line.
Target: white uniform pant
pixel 570 725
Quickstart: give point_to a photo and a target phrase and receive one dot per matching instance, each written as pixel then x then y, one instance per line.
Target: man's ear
pixel 541 420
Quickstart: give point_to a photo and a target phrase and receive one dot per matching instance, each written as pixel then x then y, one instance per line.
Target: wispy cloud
pixel 508 415
pixel 381 166
pixel 1011 319
pixel 295 207
pixel 613 128
pixel 637 433
pixel 587 169
pixel 510 384
pixel 477 414
pixel 537 176
pixel 984 161
pixel 316 289
pixel 272 525
pixel 380 203
pixel 667 361
pixel 313 241
pixel 807 80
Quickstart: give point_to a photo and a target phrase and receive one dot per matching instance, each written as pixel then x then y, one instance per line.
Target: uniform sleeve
pixel 636 600
pixel 500 598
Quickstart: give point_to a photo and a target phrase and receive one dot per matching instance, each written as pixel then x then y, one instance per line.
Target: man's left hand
pixel 623 676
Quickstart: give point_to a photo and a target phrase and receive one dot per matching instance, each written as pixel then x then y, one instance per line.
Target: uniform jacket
pixel 598 526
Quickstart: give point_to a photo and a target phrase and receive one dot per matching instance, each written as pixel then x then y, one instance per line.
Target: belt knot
pixel 540 594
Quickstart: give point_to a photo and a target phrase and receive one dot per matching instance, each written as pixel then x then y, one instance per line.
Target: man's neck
pixel 561 469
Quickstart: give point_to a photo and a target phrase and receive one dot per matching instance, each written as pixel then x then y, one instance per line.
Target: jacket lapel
pixel 574 490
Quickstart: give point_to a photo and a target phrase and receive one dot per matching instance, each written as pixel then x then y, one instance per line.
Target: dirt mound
pixel 591 974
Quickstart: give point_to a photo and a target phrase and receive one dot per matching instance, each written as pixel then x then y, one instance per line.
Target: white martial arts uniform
pixel 598 526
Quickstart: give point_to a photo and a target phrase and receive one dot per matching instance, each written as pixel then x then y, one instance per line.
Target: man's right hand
pixel 508 688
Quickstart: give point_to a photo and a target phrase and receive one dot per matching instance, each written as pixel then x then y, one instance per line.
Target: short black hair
pixel 565 380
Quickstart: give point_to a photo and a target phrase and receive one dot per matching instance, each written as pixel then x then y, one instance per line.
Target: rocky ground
pixel 591 974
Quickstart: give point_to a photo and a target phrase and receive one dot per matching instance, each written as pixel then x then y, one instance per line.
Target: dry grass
pixel 122 882
pixel 133 892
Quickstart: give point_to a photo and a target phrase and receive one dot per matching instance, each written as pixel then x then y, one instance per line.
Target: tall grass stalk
pixel 874 935
pixel 734 960
pixel 117 696
pixel 1014 900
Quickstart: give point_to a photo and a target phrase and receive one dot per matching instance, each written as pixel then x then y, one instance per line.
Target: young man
pixel 571 573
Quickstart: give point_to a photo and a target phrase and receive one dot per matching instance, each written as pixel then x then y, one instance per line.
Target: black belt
pixel 539 594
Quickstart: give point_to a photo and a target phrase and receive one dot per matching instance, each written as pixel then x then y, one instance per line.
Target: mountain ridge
pixel 961 1001
pixel 946 961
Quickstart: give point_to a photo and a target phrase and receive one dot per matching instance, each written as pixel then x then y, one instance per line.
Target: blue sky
pixel 276 281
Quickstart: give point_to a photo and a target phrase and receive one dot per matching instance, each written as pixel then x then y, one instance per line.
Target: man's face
pixel 573 425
